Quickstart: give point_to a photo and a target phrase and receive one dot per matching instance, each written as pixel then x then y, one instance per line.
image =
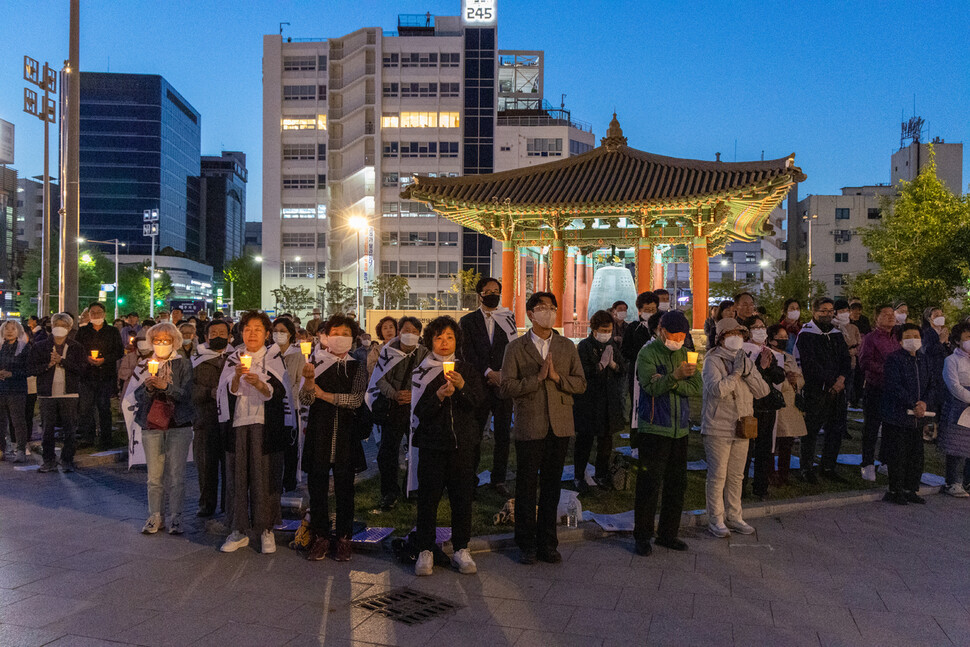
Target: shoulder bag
pixel 747 426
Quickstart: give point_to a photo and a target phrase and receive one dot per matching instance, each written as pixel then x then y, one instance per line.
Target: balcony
pixel 544 117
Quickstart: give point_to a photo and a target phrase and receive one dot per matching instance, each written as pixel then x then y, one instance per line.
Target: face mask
pixel 59 332
pixel 97 322
pixel 218 343
pixel 759 335
pixel 794 315
pixel 544 318
pixel 965 346
pixel 186 343
pixel 602 337
pixel 733 342
pixel 824 319
pixel 939 322
pixel 365 343
pixel 900 317
pixel 620 315
pixel 912 345
pixel 664 306
pixel 781 343
pixel 163 350
pixel 673 345
pixel 842 318
pixel 645 316
pixel 409 339
pixel 281 338
pixel 144 345
pixel 491 300
pixel 339 344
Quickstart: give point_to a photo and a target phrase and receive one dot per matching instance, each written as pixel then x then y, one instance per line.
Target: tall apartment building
pixel 30 210
pixel 222 198
pixel 348 122
pixel 9 271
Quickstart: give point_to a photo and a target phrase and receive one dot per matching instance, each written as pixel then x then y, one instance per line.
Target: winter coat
pixel 13 358
pixel 791 421
pixel 908 380
pixel 446 424
pixel 664 407
pixel 876 347
pixel 731 384
pixel 600 410
pixel 955 438
pixel 823 357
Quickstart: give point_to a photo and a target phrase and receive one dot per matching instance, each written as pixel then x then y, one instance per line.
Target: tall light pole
pixel 724 263
pixel 359 224
pixel 811 221
pixel 117 243
pixel 149 228
pixel 70 171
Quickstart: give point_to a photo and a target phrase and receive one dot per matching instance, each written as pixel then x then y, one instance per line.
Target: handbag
pixel 161 413
pixel 747 426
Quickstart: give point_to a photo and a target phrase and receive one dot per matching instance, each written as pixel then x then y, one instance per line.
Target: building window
pixel 449 149
pixel 299 182
pixel 301 211
pixel 418 269
pixel 388 238
pixel 388 267
pixel 390 89
pixel 321 241
pixel 301 63
pixel 298 152
pixel 841 257
pixel 321 122
pixel 321 180
pixel 750 257
pixel 322 63
pixel 413 90
pixel 419 149
pixel 299 92
pixel 416 210
pixel 390 149
pixel 406 181
pixel 874 214
pixel 321 93
pixel 505 148
pixel 321 152
pixel 303 269
pixel 751 277
pixel 841 214
pixel 390 209
pixel 450 90
pixel 578 148
pixel 419 59
pixel 303 240
pixel 300 123
pixel 389 179
pixel 544 147
pixel 841 279
pixel 448 120
pixel 419 238
pixel 450 60
pixel 448 238
pixel 390 60
pixel 390 120
pixel 449 268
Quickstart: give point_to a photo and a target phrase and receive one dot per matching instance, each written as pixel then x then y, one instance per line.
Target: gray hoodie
pixel 731 384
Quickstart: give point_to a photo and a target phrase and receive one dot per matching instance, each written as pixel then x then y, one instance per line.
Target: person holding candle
pixel 284 335
pixel 100 382
pixel 333 388
pixel 128 363
pixel 771 364
pixel 207 447
pixel 255 410
pixel 791 421
pixel 161 392
pixel 447 432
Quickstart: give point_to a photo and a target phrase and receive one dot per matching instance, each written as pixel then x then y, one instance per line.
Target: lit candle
pixel 131 340
pixel 448 367
pixel 306 347
pixel 691 357
pixel 153 366
pixel 246 361
pixel 94 354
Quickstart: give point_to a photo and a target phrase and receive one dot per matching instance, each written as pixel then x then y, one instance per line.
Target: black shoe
pixel 895 497
pixel 809 477
pixel 67 467
pixel 643 548
pixel 673 543
pixel 551 556
pixel 582 486
pixel 912 497
pixel 47 467
pixel 833 476
pixel 527 558
pixel 387 502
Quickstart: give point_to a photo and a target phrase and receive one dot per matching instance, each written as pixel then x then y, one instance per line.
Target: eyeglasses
pixel 545 309
pixel 826 312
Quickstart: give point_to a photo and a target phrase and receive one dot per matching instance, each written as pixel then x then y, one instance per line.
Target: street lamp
pixel 724 263
pixel 359 224
pixel 811 221
pixel 117 243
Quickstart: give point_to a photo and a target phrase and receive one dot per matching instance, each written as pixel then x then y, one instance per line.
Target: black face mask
pixel 218 343
pixel 491 300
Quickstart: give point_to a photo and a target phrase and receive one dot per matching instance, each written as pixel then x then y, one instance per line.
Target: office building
pixel 139 149
pixel 348 122
pixel 9 270
pixel 253 245
pixel 30 211
pixel 222 198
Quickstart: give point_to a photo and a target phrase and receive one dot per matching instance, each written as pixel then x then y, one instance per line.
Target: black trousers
pixel 64 409
pixel 318 487
pixel 291 458
pixel 584 447
pixel 539 466
pixel 662 474
pixel 501 411
pixel 828 412
pixel 904 454
pixel 95 407
pixel 871 404
pixel 439 469
pixel 29 406
pixel 209 454
pixel 858 385
pixel 760 452
pixel 389 457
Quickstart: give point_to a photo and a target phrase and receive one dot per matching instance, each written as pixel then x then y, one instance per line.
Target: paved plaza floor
pixel 74 570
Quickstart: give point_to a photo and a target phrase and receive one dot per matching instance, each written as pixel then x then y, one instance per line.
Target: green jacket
pixel 664 408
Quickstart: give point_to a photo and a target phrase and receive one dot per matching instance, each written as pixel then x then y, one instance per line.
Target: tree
pixel 463 284
pixel 792 285
pixel 293 299
pixel 94 268
pixel 725 289
pixel 245 275
pixel 135 288
pixel 922 246
pixel 389 290
pixel 338 297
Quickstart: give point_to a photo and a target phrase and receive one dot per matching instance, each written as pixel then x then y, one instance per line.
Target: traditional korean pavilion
pixel 613 195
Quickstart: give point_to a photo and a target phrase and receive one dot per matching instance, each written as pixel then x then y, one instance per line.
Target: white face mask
pixel 733 342
pixel 620 315
pixel 664 306
pixel 645 316
pixel 338 344
pixel 281 338
pixel 673 345
pixel 602 337
pixel 965 346
pixel 842 318
pixel 97 322
pixel 794 315
pixel 409 339
pixel 163 350
pixel 144 345
pixel 912 345
pixel 59 332
pixel 900 317
pixel 323 339
pixel 759 335
pixel 365 343
pixel 939 322
pixel 544 318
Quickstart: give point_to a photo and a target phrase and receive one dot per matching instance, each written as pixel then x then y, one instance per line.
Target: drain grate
pixel 407 605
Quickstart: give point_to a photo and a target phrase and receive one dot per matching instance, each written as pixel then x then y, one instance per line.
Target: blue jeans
pixel 166 452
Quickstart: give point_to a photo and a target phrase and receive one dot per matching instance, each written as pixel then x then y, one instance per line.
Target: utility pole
pixel 149 228
pixel 70 173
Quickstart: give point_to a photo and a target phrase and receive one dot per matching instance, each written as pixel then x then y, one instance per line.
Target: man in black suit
pixel 484 335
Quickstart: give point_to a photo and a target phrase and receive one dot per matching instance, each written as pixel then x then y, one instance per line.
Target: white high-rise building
pixel 347 123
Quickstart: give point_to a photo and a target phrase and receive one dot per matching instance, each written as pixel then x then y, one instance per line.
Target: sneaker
pixel 153 525
pixel 869 473
pixel 47 467
pixel 21 456
pixel 955 490
pixel 739 526
pixel 344 551
pixel 67 467
pixel 175 526
pixel 718 529
pixel 319 549
pixel 234 542
pixel 267 541
pixel 425 563
pixel 462 560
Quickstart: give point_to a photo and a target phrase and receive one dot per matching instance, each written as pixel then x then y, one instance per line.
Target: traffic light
pixel 158 303
pixel 121 301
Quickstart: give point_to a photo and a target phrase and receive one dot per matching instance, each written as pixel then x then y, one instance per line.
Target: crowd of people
pixel 262 402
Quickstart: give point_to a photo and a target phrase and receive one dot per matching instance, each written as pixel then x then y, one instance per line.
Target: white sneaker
pixel 718 529
pixel 153 525
pixel 175 525
pixel 21 457
pixel 425 563
pixel 234 542
pixel 268 541
pixel 883 469
pixel 955 490
pixel 739 526
pixel 869 473
pixel 462 560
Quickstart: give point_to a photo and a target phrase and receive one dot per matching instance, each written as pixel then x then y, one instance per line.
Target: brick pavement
pixel 74 570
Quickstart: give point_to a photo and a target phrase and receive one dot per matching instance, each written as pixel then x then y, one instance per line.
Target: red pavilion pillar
pixel 520 286
pixel 508 274
pixel 539 282
pixel 557 277
pixel 589 284
pixel 569 294
pixel 582 289
pixel 699 281
pixel 644 264
pixel 658 270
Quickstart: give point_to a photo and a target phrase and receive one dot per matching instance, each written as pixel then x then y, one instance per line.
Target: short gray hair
pixel 166 327
pixel 15 324
pixel 62 316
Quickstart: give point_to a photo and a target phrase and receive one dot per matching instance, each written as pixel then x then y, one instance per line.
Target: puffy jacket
pixel 909 380
pixel 664 407
pixel 731 384
pixel 823 357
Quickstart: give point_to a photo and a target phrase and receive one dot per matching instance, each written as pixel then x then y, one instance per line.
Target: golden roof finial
pixel 614 136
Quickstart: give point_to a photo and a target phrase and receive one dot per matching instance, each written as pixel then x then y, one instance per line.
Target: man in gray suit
pixel 541 372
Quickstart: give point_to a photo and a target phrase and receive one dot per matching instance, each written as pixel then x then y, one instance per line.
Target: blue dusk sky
pixel 828 81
